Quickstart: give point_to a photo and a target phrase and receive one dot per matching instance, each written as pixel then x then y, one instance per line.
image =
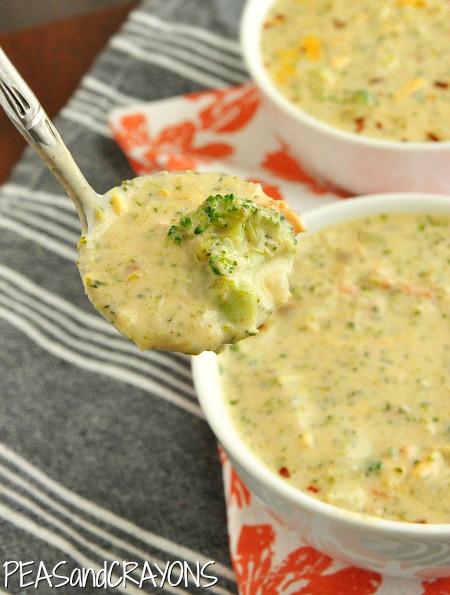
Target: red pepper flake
pixel 433 137
pixel 312 488
pixel 276 20
pixel 379 125
pixel 379 494
pixel 360 123
pixel 442 84
pixel 284 472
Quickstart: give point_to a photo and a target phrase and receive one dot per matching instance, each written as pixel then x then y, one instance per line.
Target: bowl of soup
pixel 336 415
pixel 359 92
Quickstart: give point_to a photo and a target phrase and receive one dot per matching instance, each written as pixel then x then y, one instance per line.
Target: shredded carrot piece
pixel 312 46
pixel 294 218
pixel 406 288
pixel 379 493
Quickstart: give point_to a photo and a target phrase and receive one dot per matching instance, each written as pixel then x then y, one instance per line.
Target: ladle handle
pixel 26 113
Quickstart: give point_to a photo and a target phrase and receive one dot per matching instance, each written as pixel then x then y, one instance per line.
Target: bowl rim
pixel 215 410
pixel 253 15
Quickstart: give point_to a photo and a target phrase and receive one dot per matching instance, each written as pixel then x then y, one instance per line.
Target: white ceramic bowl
pixel 388 547
pixel 354 163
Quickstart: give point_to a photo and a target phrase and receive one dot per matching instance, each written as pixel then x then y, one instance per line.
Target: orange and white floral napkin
pixel 226 130
pixel 217 130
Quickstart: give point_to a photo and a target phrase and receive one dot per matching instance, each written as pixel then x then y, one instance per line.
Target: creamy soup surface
pixel 346 391
pixel 190 261
pixel 380 68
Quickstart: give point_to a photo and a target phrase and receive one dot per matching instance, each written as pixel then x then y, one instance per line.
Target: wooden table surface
pixel 52 57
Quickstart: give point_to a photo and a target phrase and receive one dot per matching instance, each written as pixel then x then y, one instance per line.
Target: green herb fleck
pixel 374 467
pixel 95 283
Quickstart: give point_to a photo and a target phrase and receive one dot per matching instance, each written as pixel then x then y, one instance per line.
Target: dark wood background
pixel 52 43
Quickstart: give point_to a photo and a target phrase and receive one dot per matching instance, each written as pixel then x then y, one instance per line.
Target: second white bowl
pixel 354 163
pixel 389 547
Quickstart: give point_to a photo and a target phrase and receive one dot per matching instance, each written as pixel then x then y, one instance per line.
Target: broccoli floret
pixel 234 237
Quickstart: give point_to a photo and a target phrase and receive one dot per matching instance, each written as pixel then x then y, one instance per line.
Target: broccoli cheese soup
pixel 346 391
pixel 190 261
pixel 380 68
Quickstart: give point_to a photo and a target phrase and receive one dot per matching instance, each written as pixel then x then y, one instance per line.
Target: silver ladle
pixel 120 302
pixel 26 113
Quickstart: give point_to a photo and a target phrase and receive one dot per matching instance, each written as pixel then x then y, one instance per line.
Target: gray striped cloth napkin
pixel 110 477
